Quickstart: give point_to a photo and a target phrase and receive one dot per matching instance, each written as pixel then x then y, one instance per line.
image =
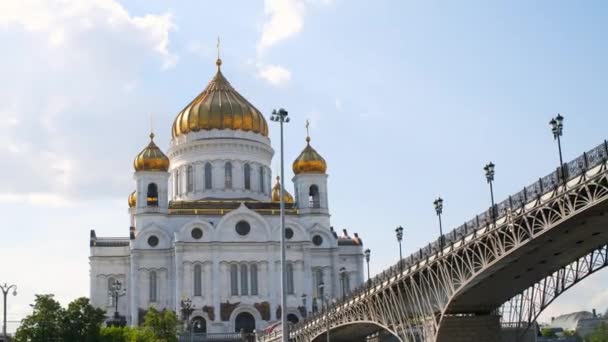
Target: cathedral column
pixel 308 281
pixel 179 275
pixel 216 281
pixel 133 291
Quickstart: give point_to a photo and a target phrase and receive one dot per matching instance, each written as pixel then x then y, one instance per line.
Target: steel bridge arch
pixel 334 327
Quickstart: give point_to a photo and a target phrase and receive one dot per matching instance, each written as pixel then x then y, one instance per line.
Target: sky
pixel 407 100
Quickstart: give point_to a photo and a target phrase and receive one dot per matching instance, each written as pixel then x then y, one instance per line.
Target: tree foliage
pixel 80 322
pixel 163 324
pixel 600 334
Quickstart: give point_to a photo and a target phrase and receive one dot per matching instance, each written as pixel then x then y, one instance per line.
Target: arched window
pixel 313 197
pixel 176 183
pixel 290 289
pixel 244 281
pixel 245 322
pixel 110 296
pixel 153 287
pixel 152 195
pixel 254 279
pixel 262 189
pixel 247 171
pixel 234 280
pixel 190 179
pixel 197 281
pixel 346 283
pixel 228 175
pixel 208 176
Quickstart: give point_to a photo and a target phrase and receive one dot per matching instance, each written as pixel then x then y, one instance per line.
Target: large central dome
pixel 219 106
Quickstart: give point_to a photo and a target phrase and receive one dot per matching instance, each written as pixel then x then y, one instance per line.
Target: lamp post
pixel 116 291
pixel 322 294
pixel 5 290
pixel 439 209
pixel 280 116
pixel 399 232
pixel 489 169
pixel 367 253
pixel 557 127
pixel 304 305
pixel 187 309
pixel 196 325
pixel 342 272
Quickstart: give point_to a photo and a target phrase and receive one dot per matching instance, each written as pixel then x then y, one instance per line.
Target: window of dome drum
pixel 243 228
pixel 317 240
pixel 288 233
pixel 196 233
pixel 153 241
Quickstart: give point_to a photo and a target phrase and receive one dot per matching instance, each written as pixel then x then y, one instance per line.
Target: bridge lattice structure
pixel 413 297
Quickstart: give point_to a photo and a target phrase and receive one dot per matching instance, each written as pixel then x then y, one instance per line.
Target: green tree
pixel 44 324
pixel 600 334
pixel 547 332
pixel 163 324
pixel 81 321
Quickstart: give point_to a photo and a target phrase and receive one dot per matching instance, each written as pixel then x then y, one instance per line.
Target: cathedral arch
pixel 314 199
pixel 260 230
pixel 185 232
pixel 149 230
pixel 247 309
pixel 189 178
pixel 299 231
pixel 208 176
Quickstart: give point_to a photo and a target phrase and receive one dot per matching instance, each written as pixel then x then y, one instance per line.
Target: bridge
pixel 494 274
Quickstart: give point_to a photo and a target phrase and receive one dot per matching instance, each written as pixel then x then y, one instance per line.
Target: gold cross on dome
pixel 218 47
pixel 307 124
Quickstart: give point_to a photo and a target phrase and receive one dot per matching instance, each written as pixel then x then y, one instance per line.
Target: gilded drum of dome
pixel 219 106
pixel 309 161
pixel 151 158
pixel 132 199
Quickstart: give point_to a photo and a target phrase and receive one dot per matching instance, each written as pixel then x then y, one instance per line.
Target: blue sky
pixel 407 101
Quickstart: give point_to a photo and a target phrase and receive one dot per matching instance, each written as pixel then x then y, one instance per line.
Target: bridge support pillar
pixel 483 328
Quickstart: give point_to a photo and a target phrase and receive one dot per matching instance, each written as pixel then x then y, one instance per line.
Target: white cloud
pixel 274 74
pixel 285 19
pixel 61 20
pixel 36 198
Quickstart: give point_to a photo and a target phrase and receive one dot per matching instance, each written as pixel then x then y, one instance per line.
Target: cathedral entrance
pixel 292 318
pixel 199 325
pixel 244 321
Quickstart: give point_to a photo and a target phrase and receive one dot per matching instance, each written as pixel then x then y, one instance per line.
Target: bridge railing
pixel 532 192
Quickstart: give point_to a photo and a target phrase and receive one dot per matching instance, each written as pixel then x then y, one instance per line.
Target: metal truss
pixel 522 310
pixel 411 299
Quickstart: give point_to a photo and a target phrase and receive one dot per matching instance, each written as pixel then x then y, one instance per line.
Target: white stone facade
pixel 165 260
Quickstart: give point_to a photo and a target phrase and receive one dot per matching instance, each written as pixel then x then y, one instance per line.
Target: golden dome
pixel 276 193
pixel 309 161
pixel 151 158
pixel 219 106
pixel 132 199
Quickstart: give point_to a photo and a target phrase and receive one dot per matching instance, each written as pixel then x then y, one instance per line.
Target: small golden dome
pixel 151 158
pixel 132 199
pixel 219 106
pixel 309 161
pixel 276 193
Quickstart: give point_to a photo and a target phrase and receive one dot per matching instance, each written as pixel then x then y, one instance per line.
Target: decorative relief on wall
pixel 226 310
pixel 209 310
pixel 263 309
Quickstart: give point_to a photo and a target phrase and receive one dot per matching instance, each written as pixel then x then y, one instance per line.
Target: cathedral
pixel 205 226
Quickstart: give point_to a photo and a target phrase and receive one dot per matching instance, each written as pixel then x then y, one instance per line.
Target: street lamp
pixel 116 291
pixel 343 279
pixel 399 232
pixel 439 209
pixel 196 325
pixel 280 116
pixel 367 253
pixel 489 169
pixel 187 308
pixel 557 127
pixel 304 304
pixel 322 294
pixel 5 290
